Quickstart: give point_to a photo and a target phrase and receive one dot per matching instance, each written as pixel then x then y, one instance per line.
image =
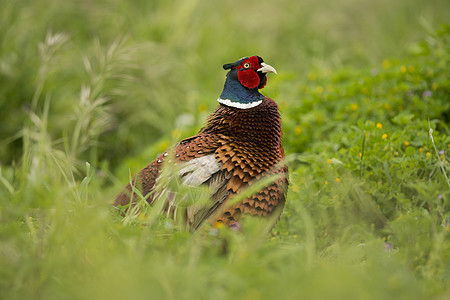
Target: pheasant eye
pixel 246 65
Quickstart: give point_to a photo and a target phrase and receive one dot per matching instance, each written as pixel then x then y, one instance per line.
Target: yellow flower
pixel 319 89
pixel 428 153
pixel 218 225
pixel 338 180
pixel 384 136
pixel 328 161
pixel 312 76
pixel 202 107
pixel 420 150
pixel 406 143
pixel 379 125
pixel 298 129
pixel 386 64
pixel 326 182
pixel 360 154
pixel 354 107
pixel 403 69
pixel 434 86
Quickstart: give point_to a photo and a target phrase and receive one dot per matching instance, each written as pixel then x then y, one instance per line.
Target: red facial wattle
pixel 247 73
pixel 249 78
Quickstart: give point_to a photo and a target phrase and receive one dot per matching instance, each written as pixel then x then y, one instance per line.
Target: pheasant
pixel 239 145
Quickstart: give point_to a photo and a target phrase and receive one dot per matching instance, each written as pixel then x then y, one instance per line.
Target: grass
pixel 91 92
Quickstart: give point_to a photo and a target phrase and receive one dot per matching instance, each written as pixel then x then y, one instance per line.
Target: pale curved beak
pixel 267 68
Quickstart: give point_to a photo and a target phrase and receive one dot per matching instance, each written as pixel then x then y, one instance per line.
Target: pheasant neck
pixel 234 94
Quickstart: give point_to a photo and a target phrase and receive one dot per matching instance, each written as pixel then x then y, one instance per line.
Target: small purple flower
pixel 388 247
pixel 236 226
pixel 427 93
pixel 439 196
pixel 441 152
pixel 410 93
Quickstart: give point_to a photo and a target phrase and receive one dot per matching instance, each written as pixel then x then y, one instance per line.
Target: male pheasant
pixel 240 144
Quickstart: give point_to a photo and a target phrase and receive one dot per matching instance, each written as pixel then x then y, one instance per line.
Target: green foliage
pixel 92 89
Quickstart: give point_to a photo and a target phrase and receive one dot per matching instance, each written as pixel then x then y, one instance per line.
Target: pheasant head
pixel 245 78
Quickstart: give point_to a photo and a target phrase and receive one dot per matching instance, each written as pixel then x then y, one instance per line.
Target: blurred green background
pixel 155 60
pixel 91 91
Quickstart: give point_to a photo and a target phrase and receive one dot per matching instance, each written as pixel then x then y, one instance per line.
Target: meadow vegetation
pixel 92 91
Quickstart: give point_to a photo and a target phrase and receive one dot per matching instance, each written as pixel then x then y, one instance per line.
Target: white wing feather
pixel 199 170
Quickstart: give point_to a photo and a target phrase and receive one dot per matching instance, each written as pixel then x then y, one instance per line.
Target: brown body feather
pixel 247 145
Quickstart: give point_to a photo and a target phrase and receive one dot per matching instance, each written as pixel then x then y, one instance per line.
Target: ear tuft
pixel 228 66
pixel 233 65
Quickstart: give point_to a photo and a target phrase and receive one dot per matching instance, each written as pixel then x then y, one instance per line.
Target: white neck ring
pixel 239 105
